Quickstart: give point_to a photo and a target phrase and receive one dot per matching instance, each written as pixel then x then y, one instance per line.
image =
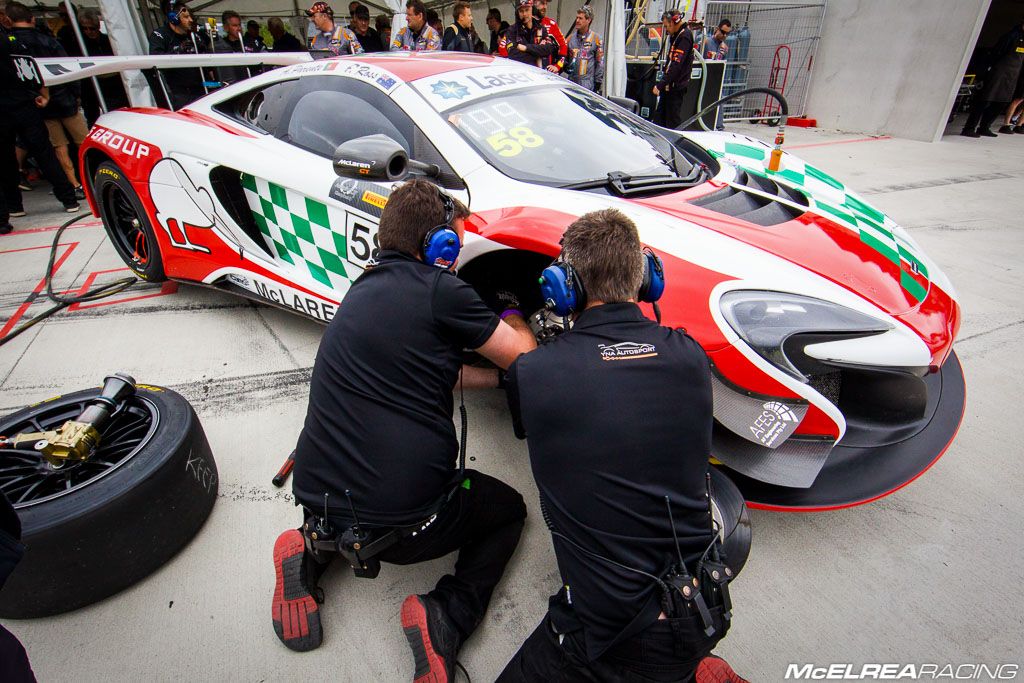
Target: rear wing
pixel 60 70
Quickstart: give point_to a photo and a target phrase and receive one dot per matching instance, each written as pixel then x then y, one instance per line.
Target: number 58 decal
pixel 361 239
pixel 510 143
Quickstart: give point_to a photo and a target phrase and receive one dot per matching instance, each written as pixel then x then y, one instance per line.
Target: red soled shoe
pixel 434 641
pixel 295 612
pixel 714 669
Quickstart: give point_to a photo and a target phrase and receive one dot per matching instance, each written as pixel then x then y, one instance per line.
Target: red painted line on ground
pixel 169 287
pixel 51 228
pixel 838 142
pixel 16 318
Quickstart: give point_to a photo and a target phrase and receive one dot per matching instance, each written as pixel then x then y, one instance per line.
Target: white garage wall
pixel 892 67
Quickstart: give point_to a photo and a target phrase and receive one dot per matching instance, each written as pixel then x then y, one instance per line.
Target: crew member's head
pixel 185 20
pixel 494 20
pixel 232 24
pixel 5 19
pixel 723 30
pixel 604 249
pixel 524 10
pixel 672 20
pixel 413 210
pixel 462 14
pixel 361 20
pixel 383 23
pixel 540 8
pixel 352 7
pixel 322 16
pixel 252 28
pixel 435 21
pixel 584 17
pixel 276 27
pixel 89 22
pixel 416 15
pixel 20 16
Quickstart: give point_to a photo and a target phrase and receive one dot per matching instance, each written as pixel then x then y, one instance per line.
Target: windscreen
pixel 562 135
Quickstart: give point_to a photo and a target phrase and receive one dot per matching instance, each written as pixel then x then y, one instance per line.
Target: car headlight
pixel 768 320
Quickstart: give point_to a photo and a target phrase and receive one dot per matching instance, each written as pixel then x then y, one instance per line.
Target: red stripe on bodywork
pixel 412 66
pixel 191 117
pixel 837 254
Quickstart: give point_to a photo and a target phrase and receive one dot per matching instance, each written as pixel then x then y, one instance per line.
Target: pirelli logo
pixel 375 199
pixel 626 351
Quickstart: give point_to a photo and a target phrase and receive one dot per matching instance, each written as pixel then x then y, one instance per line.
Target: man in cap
pixel 330 36
pixel 366 34
pixel 586 52
pixel 672 85
pixel 417 35
pixel 527 40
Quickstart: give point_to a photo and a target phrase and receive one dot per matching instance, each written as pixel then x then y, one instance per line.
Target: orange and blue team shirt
pixel 587 65
pixel 427 39
pixel 340 41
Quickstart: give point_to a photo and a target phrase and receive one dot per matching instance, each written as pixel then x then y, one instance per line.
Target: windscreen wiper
pixel 625 185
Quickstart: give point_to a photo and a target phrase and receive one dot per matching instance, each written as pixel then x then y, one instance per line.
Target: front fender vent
pixel 751 207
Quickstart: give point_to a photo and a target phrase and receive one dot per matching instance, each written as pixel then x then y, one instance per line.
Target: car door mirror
pixel 371 156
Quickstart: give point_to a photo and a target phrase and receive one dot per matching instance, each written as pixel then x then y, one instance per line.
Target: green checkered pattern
pixel 301 231
pixel 830 198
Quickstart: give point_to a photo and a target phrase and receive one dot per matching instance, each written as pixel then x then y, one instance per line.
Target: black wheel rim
pixel 126 227
pixel 27 479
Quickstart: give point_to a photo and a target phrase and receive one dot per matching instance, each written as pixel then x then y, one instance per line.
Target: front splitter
pixel 857 475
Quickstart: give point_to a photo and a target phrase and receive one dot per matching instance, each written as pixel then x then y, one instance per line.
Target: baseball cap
pixel 587 11
pixel 320 7
pixel 524 3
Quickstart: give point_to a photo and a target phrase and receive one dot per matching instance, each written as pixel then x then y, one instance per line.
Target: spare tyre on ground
pixel 94 527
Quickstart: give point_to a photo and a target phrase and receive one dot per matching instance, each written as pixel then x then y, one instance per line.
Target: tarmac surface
pixel 930 574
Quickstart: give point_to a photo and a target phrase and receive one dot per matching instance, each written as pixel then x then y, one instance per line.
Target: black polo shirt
pixel 379 420
pixel 617 415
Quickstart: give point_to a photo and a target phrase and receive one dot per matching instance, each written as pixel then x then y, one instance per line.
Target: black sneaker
pixel 432 637
pixel 6 228
pixel 17 213
pixel 970 133
pixel 295 614
pixel 1019 129
pixel 1006 129
pixel 80 193
pixel 987 133
pixel 72 207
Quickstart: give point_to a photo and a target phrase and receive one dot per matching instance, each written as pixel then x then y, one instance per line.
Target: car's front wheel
pixel 126 222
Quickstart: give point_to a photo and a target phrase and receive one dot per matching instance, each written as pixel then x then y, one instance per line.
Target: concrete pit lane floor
pixel 930 574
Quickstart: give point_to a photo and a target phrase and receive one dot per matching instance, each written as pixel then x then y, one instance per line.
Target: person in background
pixel 527 40
pixel 434 21
pixel 1014 110
pixel 97 44
pixel 20 105
pixel 62 114
pixel 557 62
pixel 417 35
pixel 252 39
pixel 332 37
pixel 283 41
pixel 177 37
pixel 586 52
pixel 715 46
pixel 366 34
pixel 1006 60
pixel 672 86
pixel 459 37
pixel 232 41
pixel 383 25
pixel 497 27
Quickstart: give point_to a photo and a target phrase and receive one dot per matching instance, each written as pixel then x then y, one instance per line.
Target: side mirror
pixel 371 156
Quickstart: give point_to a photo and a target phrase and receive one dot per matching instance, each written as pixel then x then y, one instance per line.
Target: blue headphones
pixel 441 244
pixel 174 16
pixel 563 292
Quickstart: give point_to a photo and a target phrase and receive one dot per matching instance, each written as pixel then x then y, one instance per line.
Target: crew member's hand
pixel 41 101
pixel 552 68
pixel 655 91
pixel 522 48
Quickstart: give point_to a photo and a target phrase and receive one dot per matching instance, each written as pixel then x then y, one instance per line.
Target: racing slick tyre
pixel 126 223
pixel 732 518
pixel 92 528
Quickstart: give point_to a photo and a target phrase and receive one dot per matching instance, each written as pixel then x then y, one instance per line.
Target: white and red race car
pixel 829 331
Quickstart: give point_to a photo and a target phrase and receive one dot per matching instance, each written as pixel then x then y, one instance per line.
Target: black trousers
pixel 983 114
pixel 668 650
pixel 26 123
pixel 483 523
pixel 669 112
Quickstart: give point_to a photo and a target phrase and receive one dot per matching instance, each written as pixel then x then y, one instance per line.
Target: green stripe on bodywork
pixel 319 273
pixel 282 251
pixel 822 176
pixel 879 246
pixel 278 195
pixel 865 210
pixel 910 258
pixel 745 151
pixel 332 262
pixel 837 212
pixel 292 242
pixel 317 213
pixel 248 182
pixel 302 228
pixel 912 286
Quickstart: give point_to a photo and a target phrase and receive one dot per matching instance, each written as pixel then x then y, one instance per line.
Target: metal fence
pixel 772 44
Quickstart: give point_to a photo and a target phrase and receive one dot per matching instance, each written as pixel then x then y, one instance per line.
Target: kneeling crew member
pixel 678 64
pixel 377 455
pixel 620 457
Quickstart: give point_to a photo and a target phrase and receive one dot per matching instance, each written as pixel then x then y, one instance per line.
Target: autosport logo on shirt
pixel 626 351
pixel 458 87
